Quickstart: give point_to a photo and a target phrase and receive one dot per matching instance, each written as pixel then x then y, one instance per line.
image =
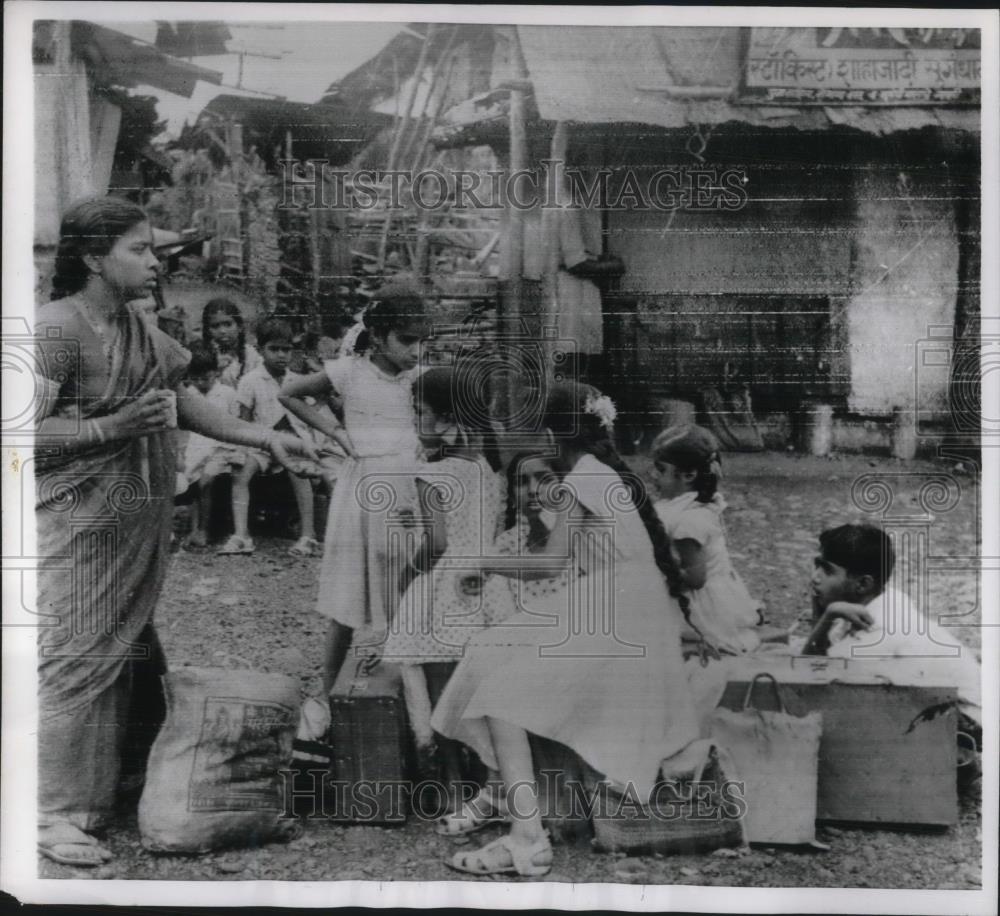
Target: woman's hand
pixel 283 445
pixel 152 413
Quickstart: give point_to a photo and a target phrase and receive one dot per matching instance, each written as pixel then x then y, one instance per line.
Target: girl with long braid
pixel 686 469
pixel 596 665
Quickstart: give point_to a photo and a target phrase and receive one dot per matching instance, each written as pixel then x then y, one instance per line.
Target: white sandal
pixel 506 857
pixel 236 546
pixel 471 817
pixel 69 845
pixel 466 821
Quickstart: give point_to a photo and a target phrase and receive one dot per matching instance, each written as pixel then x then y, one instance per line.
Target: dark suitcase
pixel 370 740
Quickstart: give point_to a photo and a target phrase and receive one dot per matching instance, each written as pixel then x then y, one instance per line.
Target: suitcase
pixel 371 745
pixel 888 752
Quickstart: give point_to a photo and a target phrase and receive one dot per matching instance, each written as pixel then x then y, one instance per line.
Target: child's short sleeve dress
pixel 375 492
pixel 722 609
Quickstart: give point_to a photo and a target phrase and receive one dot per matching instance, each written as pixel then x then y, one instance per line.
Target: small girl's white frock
pixel 436 616
pixel 594 664
pixel 722 609
pixel 366 528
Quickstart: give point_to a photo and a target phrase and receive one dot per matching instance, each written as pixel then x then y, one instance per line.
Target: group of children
pixel 442 560
pixel 245 380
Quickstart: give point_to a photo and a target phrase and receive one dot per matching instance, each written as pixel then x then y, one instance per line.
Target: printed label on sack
pixel 240 750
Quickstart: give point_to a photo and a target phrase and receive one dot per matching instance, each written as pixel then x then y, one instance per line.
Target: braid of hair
pixel 604 451
pixel 241 346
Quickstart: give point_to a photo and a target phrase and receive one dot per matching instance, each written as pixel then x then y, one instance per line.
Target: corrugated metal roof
pixel 120 59
pixel 599 74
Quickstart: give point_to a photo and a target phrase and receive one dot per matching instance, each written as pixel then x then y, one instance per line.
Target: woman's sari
pixel 103 518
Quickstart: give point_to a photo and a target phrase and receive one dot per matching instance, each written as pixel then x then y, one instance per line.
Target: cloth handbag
pixel 692 808
pixel 777 757
pixel 214 777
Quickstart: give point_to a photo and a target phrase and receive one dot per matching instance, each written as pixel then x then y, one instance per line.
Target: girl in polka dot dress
pixel 461 499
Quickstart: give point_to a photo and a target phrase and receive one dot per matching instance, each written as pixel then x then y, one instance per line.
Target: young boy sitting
pixel 257 397
pixel 857 613
pixel 204 458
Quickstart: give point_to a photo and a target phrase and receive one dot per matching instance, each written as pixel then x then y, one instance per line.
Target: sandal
pixel 468 819
pixel 69 845
pixel 506 857
pixel 304 547
pixel 236 546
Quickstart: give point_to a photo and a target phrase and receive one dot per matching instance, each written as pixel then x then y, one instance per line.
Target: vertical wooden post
pixel 397 140
pixel 512 303
pixel 236 164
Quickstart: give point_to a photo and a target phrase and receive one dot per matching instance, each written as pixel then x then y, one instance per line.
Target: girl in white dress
pixel 687 470
pixel 597 664
pixel 376 486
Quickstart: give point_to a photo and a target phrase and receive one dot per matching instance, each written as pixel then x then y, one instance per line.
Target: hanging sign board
pixel 861 66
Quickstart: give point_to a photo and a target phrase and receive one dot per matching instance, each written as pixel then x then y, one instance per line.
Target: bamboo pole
pixel 411 95
pixel 512 304
pixel 439 68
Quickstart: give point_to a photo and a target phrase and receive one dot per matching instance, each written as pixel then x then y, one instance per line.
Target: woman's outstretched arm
pixel 316 385
pixel 198 414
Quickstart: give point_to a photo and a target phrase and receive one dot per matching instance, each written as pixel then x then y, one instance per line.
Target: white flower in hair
pixel 603 408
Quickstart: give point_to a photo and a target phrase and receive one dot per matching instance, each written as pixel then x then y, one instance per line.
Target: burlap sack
pixel 213 774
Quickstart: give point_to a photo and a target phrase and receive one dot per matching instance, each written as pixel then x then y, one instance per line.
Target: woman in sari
pixel 110 398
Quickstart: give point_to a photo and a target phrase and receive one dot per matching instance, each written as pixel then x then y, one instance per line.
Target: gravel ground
pixel 262 610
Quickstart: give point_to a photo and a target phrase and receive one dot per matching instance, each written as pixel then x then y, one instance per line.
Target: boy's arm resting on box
pixel 856 615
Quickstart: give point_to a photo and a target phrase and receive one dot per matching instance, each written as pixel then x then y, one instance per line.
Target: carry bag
pixel 214 776
pixel 696 807
pixel 777 757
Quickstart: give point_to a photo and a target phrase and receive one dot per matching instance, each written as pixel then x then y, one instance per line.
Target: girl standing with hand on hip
pixel 359 579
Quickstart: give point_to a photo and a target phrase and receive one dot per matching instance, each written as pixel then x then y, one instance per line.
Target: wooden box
pixel 888 750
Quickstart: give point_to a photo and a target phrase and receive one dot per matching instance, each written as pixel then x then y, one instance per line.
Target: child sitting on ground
pixel 257 397
pixel 858 613
pixel 204 458
pixel 686 474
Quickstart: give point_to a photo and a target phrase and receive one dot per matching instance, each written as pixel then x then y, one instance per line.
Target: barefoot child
pixel 257 397
pixel 222 329
pixel 686 472
pixel 204 458
pixel 381 442
pixel 460 495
